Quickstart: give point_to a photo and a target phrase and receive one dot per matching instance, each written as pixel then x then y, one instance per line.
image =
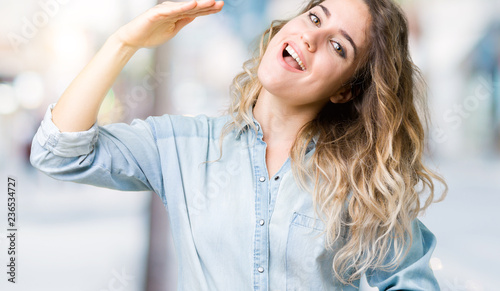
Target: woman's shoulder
pixel 188 125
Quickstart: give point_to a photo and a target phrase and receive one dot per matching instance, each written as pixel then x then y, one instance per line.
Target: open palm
pixel 162 22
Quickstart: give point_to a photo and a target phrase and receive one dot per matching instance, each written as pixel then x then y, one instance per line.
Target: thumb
pixel 183 22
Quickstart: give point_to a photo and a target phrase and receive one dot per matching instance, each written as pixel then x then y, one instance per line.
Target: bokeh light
pixel 29 89
pixel 436 264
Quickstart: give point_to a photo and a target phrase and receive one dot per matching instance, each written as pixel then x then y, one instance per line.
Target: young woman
pixel 313 178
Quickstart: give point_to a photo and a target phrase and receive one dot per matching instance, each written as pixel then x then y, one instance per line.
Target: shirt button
pixel 276 178
pixel 260 269
pixel 262 179
pixel 262 221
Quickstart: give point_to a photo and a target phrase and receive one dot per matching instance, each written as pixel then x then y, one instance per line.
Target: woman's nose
pixel 309 39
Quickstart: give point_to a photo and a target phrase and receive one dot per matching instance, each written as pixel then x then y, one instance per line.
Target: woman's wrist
pixel 122 48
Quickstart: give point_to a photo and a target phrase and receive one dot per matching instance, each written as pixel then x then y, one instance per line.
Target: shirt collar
pixel 244 127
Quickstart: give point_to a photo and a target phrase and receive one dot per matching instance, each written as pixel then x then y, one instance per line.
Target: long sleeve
pixel 414 272
pixel 117 156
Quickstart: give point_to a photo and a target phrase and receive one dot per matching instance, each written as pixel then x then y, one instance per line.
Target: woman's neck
pixel 281 122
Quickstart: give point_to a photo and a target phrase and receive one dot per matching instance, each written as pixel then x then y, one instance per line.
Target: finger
pixel 191 3
pixel 210 4
pixel 181 23
pixel 198 12
pixel 176 11
pixel 202 13
pixel 188 5
pixel 176 7
pixel 188 14
pixel 172 8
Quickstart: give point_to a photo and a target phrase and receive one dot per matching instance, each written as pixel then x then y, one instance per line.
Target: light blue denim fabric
pixel 233 227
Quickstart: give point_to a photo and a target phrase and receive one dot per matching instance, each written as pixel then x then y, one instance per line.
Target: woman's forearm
pixel 77 108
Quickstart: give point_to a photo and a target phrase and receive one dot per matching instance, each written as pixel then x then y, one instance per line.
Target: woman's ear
pixel 343 95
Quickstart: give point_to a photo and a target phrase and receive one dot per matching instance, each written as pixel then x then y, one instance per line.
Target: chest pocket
pixel 308 262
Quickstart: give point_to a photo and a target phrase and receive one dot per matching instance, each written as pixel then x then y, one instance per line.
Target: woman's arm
pixel 77 108
pixel 414 272
pixel 117 156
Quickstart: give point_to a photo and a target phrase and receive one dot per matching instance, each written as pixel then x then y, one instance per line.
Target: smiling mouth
pixel 292 58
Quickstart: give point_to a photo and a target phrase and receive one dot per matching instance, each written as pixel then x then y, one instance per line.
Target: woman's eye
pixel 338 48
pixel 314 19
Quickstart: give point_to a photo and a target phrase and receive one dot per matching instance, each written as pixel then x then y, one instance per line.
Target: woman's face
pixel 312 57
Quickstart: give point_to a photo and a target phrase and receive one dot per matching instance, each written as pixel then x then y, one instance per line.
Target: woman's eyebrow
pixel 343 32
pixel 325 10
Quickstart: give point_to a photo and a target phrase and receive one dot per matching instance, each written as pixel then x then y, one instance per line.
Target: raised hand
pixel 162 22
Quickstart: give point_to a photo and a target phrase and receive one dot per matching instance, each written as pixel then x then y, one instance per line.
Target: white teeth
pixel 294 55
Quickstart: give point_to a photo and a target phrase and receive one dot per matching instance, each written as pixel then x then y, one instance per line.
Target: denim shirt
pixel 233 227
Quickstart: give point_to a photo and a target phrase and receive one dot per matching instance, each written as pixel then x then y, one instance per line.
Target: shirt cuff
pixel 65 144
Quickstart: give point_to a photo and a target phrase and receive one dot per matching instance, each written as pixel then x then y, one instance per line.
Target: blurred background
pixel 77 237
